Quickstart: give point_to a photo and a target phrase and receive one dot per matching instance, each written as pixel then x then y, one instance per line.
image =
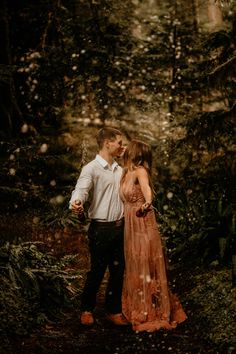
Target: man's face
pixel 115 147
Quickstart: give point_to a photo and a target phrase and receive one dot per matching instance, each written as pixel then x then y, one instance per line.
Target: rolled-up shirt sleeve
pixel 83 186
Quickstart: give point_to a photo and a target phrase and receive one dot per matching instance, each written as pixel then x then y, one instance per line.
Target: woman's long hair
pixel 137 154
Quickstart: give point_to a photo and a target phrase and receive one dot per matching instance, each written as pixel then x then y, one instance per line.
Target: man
pixel 102 176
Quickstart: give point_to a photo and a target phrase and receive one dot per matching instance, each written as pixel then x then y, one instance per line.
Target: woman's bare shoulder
pixel 141 171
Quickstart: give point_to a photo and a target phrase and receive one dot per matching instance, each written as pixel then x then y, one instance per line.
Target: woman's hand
pixel 145 206
pixel 143 210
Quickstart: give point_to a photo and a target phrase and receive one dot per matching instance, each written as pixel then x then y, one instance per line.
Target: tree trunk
pixel 195 10
pixel 214 14
pixel 10 115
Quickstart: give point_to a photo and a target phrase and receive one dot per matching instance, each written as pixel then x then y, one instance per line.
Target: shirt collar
pixel 104 163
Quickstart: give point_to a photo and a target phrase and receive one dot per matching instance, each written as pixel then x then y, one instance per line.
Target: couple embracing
pixel 123 237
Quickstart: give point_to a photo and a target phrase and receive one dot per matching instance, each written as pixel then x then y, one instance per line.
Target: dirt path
pixel 70 337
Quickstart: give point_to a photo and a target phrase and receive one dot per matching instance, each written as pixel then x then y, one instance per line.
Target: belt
pixel 115 223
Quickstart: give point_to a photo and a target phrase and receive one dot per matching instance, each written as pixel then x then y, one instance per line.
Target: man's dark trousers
pixel 106 245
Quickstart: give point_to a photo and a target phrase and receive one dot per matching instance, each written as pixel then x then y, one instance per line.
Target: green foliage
pixel 199 171
pixel 195 198
pixel 220 62
pixel 87 60
pixel 190 222
pixel 71 54
pixel 35 173
pixel 57 216
pixel 210 131
pixel 42 58
pixel 34 286
pixel 213 309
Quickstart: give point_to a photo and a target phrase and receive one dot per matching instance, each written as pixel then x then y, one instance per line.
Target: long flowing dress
pixel 147 301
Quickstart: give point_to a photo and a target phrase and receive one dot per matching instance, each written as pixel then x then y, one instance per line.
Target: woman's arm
pixel 143 180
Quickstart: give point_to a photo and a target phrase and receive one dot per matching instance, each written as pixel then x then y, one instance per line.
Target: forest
pixel 160 71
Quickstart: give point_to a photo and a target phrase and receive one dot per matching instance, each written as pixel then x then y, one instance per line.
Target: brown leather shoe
pixel 118 319
pixel 86 318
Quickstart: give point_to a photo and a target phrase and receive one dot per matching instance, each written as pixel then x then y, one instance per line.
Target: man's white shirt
pixel 104 182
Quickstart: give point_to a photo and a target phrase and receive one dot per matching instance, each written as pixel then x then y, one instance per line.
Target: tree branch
pixel 218 68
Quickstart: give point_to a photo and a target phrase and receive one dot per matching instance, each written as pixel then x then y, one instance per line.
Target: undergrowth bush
pixel 35 286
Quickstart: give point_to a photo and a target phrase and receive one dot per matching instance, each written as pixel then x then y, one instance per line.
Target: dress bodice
pixel 131 193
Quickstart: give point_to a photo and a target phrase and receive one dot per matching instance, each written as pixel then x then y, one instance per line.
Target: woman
pixel 146 300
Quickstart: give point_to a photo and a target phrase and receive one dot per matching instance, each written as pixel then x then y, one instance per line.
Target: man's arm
pixel 81 192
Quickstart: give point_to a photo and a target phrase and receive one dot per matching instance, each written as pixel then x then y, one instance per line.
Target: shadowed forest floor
pixel 70 337
pixel 67 335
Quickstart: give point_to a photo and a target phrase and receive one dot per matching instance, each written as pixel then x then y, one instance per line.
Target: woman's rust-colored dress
pixel 147 301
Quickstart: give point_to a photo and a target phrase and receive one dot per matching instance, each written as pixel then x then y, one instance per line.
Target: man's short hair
pixel 106 133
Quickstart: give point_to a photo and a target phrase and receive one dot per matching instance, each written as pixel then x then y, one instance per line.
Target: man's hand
pixel 77 208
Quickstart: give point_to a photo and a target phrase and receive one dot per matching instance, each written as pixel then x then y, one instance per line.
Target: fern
pixel 34 286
